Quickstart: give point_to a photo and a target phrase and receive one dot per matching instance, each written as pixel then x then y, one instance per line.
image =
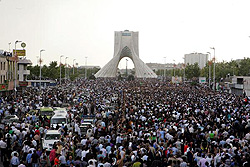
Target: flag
pixel 40 61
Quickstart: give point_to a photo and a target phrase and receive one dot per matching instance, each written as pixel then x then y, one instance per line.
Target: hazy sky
pixel 167 28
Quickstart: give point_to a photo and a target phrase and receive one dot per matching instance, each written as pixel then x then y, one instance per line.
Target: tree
pixel 53 71
pixel 192 71
pixel 34 72
pixel 244 67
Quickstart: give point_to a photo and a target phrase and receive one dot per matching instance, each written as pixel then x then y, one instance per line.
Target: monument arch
pixel 126 45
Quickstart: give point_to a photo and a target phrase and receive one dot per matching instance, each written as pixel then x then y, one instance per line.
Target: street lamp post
pixel 9 45
pixel 184 74
pixel 214 70
pixel 174 68
pixel 61 70
pixel 164 68
pixel 40 68
pixel 126 67
pixel 16 58
pixel 74 66
pixel 65 68
pixel 209 66
pixel 86 67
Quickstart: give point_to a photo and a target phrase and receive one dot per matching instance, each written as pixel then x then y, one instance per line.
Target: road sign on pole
pixel 20 52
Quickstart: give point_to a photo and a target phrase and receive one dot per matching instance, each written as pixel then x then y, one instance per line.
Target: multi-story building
pixel 89 67
pixel 22 69
pixel 7 71
pixel 167 66
pixel 199 58
pixel 3 69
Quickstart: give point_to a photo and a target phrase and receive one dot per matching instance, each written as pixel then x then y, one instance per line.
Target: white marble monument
pixel 126 45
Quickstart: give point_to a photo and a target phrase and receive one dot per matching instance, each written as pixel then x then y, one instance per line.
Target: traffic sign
pixel 19 52
pixel 23 45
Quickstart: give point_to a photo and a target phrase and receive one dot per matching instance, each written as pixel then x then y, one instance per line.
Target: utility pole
pixel 40 69
pixel 127 68
pixel 86 67
pixel 164 68
pixel 61 70
pixel 16 58
pixel 74 66
pixel 209 66
pixel 214 70
pixel 65 68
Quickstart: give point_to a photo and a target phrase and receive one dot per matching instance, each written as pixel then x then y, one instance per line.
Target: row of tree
pixel 222 70
pixel 53 72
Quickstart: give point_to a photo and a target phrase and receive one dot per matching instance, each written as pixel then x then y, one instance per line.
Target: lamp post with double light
pixel 16 58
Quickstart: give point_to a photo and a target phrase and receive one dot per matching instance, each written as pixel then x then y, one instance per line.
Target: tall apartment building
pixel 199 58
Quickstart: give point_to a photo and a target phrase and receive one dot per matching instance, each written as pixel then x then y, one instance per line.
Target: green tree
pixel 34 72
pixel 45 72
pixel 244 67
pixel 192 71
pixel 53 71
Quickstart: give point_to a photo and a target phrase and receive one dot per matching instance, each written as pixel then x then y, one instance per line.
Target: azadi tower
pixel 126 45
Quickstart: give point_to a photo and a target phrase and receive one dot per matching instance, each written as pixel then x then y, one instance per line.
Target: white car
pixel 50 138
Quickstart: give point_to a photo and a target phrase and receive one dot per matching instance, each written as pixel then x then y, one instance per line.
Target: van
pixel 58 119
pixel 46 111
pixel 50 138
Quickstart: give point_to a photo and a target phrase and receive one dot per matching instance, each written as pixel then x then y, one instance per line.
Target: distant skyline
pixel 85 28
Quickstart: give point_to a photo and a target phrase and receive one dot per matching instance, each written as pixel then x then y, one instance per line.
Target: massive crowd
pixel 139 123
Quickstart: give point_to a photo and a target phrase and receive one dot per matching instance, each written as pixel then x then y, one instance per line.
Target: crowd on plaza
pixel 151 123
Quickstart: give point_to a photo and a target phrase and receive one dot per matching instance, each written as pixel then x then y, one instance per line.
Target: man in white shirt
pixel 84 153
pixel 83 141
